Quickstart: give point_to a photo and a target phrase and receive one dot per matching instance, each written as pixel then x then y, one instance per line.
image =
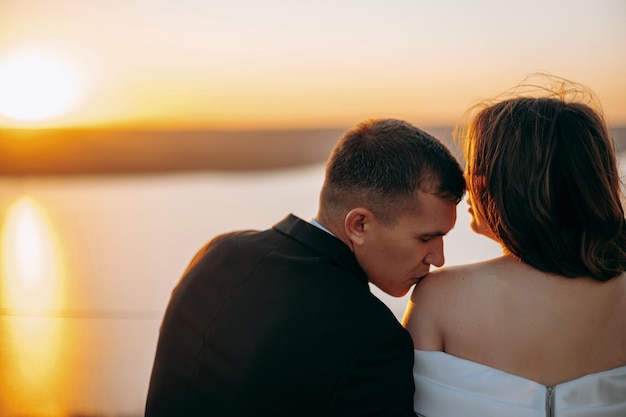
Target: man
pixel 282 322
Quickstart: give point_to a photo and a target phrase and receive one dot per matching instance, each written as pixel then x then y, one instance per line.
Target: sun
pixel 37 85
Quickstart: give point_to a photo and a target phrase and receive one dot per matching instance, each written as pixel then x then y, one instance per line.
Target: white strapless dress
pixel 448 386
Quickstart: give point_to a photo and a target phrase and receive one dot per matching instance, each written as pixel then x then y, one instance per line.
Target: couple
pixel 282 323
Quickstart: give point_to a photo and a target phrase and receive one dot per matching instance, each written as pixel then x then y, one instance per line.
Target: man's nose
pixel 435 256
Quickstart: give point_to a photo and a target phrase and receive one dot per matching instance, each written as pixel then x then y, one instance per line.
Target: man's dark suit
pixel 279 323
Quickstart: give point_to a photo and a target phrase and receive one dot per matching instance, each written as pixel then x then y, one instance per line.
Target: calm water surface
pixel 59 366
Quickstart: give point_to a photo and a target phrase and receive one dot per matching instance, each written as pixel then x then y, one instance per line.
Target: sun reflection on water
pixel 32 269
pixel 31 285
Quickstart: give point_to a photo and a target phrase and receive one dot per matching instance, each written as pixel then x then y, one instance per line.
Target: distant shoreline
pixel 63 152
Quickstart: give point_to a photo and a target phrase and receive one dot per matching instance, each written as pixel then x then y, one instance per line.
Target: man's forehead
pixel 434 214
pixel 425 199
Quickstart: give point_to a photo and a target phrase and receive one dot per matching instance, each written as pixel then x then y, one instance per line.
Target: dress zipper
pixel 550 402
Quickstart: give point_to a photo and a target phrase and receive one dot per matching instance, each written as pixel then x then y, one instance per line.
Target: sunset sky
pixel 237 64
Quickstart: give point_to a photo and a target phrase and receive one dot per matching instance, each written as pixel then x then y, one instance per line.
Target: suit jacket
pixel 279 323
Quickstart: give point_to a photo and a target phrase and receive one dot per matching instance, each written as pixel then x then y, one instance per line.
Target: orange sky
pixel 282 64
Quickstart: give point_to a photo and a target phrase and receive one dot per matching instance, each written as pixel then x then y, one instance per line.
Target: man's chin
pixel 396 292
pixel 401 288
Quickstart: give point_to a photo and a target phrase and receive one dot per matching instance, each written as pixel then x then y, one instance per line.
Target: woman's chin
pixel 482 230
pixel 475 227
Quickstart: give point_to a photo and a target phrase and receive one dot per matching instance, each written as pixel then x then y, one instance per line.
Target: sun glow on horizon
pixel 37 85
pixel 242 65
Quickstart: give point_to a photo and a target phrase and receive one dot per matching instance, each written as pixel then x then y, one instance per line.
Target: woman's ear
pixel 356 224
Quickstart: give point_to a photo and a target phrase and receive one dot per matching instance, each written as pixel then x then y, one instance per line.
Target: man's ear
pixel 356 224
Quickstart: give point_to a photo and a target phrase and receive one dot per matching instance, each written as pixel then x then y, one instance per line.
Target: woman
pixel 540 330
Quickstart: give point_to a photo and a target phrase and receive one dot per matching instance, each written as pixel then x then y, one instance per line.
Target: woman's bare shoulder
pixel 430 300
pixel 454 284
pixel 442 294
pixel 457 274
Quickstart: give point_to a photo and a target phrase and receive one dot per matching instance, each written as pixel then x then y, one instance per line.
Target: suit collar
pixel 320 241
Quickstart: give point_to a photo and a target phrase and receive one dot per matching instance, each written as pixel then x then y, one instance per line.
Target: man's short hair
pixel 380 164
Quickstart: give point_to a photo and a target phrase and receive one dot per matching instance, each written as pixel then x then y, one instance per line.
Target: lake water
pixel 88 264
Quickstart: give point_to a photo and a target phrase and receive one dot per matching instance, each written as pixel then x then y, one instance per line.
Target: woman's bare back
pixel 512 317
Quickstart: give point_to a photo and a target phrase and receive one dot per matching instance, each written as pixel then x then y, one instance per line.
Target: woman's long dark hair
pixel 543 174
